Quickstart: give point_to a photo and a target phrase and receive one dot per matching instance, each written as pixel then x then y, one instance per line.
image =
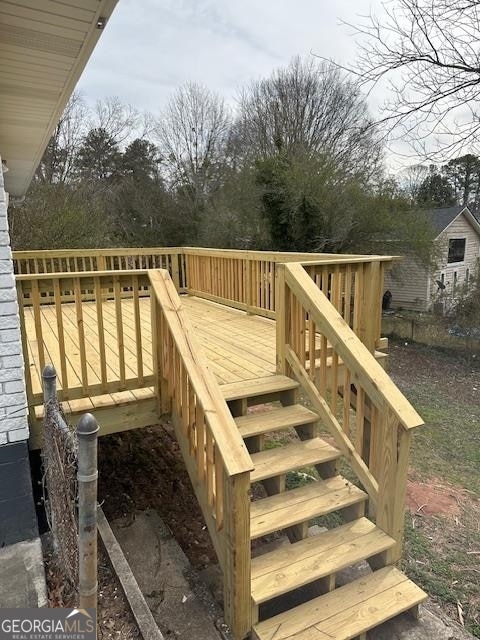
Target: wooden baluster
pixel 101 332
pixel 219 482
pixel 192 436
pixel 37 316
pixel 348 295
pixel 61 337
pixel 81 333
pixel 200 441
pixel 323 373
pixel 209 465
pixel 358 298
pixel 359 419
pixel 312 357
pixel 117 291
pixel 138 329
pixel 347 380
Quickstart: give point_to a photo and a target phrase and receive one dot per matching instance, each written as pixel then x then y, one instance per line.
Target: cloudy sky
pixel 150 47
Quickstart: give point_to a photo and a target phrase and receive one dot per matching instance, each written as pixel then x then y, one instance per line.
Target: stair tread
pixel 255 424
pixel 347 611
pixel 299 505
pixel 295 565
pixel 257 387
pixel 280 460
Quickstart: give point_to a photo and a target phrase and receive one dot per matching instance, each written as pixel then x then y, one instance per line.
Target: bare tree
pixel 307 107
pixel 58 161
pixel 411 179
pixel 121 121
pixel 192 132
pixel 427 51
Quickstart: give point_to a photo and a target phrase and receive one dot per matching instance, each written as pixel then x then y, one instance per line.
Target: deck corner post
pixel 237 558
pixel 281 318
pixel 87 476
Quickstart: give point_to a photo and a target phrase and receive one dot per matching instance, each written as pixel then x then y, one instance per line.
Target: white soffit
pixel 44 47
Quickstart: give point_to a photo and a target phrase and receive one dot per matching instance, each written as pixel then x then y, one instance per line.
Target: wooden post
pixel 87 476
pixel 370 305
pixel 281 318
pixel 236 569
pixel 392 469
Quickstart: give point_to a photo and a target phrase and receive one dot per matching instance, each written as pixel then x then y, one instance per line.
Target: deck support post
pixel 236 569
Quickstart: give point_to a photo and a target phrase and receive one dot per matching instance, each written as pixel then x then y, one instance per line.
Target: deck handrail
pixel 369 417
pixel 215 455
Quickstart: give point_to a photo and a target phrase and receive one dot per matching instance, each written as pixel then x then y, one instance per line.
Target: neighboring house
pixel 413 286
pixel 44 46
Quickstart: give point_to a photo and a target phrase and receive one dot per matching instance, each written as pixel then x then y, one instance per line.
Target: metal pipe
pixel 87 433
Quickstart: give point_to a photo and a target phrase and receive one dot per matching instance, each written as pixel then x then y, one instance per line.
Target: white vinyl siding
pixel 408 282
pixel 455 273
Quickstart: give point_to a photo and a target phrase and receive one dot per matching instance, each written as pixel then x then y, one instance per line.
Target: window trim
pixel 453 262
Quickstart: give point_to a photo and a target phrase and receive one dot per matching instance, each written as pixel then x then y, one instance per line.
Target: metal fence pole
pixel 49 376
pixel 87 432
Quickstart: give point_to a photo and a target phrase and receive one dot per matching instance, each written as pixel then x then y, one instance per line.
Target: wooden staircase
pixel 278 575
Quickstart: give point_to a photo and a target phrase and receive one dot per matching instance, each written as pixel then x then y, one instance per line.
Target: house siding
pixel 408 283
pixel 17 513
pixel 459 228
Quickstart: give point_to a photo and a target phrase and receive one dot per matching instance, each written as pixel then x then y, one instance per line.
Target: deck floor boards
pixel 238 347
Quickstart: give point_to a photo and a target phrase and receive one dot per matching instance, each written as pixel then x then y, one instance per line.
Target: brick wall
pixel 13 403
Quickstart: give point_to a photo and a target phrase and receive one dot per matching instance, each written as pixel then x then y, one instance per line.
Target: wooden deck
pixel 238 347
pixel 129 348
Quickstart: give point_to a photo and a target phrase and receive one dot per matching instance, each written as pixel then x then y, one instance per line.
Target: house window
pixel 456 249
pixel 467 276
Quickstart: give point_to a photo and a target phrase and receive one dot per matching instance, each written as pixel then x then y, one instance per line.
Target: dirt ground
pixel 114 618
pixel 144 469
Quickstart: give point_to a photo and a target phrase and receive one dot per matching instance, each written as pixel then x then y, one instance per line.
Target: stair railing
pixel 215 455
pixel 368 416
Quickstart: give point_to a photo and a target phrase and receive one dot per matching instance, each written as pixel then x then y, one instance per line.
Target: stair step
pixel 280 460
pixel 289 508
pixel 261 386
pixel 256 424
pixel 346 612
pixel 292 566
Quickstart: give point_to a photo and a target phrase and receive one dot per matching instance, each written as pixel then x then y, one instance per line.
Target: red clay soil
pixel 433 498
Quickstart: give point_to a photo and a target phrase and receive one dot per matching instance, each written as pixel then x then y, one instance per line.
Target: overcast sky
pixel 150 47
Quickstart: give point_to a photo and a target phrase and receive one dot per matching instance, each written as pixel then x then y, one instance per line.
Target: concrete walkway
pixel 22 576
pixel 163 574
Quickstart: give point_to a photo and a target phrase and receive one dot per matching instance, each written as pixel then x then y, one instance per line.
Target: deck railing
pixel 54 305
pixel 241 279
pixel 359 404
pixel 213 450
pixel 79 260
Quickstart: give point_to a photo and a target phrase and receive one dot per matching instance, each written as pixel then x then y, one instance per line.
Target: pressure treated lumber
pixel 258 387
pixel 300 505
pixel 281 460
pixel 292 566
pixel 346 612
pixel 255 424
